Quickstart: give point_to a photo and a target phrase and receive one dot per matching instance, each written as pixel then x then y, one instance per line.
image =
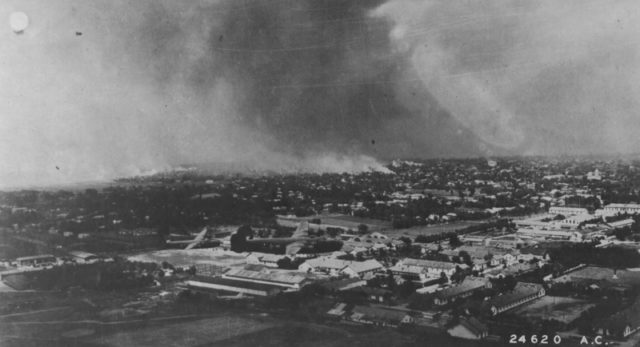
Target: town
pixel 468 252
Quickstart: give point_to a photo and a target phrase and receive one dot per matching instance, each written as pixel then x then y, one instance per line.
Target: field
pixel 561 309
pixel 430 229
pixel 181 258
pixel 192 333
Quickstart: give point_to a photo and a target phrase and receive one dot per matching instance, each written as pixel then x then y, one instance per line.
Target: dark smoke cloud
pixel 308 76
pixel 316 85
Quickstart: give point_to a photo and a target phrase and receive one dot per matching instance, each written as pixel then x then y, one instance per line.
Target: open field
pixel 561 309
pixel 180 257
pixel 192 333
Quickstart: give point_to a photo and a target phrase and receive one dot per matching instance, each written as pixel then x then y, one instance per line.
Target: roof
pixel 469 284
pixel 623 206
pixel 411 269
pixel 275 277
pixel 34 257
pixel 364 266
pixel 234 283
pixel 474 326
pixel 81 254
pixel 429 263
pixel 520 291
pixel 339 264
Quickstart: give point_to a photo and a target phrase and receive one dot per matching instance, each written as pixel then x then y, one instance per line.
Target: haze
pixel 110 88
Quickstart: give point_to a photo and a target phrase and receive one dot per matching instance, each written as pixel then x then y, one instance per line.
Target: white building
pixel 567 211
pixel 622 208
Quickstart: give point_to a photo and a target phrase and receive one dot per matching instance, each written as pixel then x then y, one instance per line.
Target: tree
pixel 238 243
pixel 454 241
pixel 443 277
pixel 284 263
pixel 363 229
pixel 466 258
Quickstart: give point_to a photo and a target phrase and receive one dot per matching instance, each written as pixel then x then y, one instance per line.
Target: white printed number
pixel 534 339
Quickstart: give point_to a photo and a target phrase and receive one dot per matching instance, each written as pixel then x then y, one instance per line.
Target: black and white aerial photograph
pixel 339 173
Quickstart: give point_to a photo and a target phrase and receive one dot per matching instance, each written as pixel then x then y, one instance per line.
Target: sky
pixel 112 88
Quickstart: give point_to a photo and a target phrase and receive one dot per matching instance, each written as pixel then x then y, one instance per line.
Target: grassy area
pixel 191 333
pixel 180 257
pixel 561 309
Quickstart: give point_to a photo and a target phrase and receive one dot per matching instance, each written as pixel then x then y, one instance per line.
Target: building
pixel 221 284
pixel 83 257
pixel 413 273
pixel 505 241
pixel 284 279
pixel 266 259
pixel 37 260
pixel 379 316
pixel 432 267
pixel 621 223
pixel 567 211
pixel 469 328
pixel 543 234
pixel 337 267
pixel 621 208
pixel 463 290
pixel 520 295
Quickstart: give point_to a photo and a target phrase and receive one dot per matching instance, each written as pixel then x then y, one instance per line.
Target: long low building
pixel 234 286
pixel 520 295
pixel 463 290
pixel 273 278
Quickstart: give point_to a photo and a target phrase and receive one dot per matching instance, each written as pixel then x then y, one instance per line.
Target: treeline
pixel 107 276
pixel 614 257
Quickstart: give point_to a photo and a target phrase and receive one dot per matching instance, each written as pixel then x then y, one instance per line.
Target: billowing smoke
pixel 535 77
pixel 104 89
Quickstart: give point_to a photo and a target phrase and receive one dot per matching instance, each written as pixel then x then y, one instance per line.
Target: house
pixel 469 328
pixel 463 290
pixel 521 294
